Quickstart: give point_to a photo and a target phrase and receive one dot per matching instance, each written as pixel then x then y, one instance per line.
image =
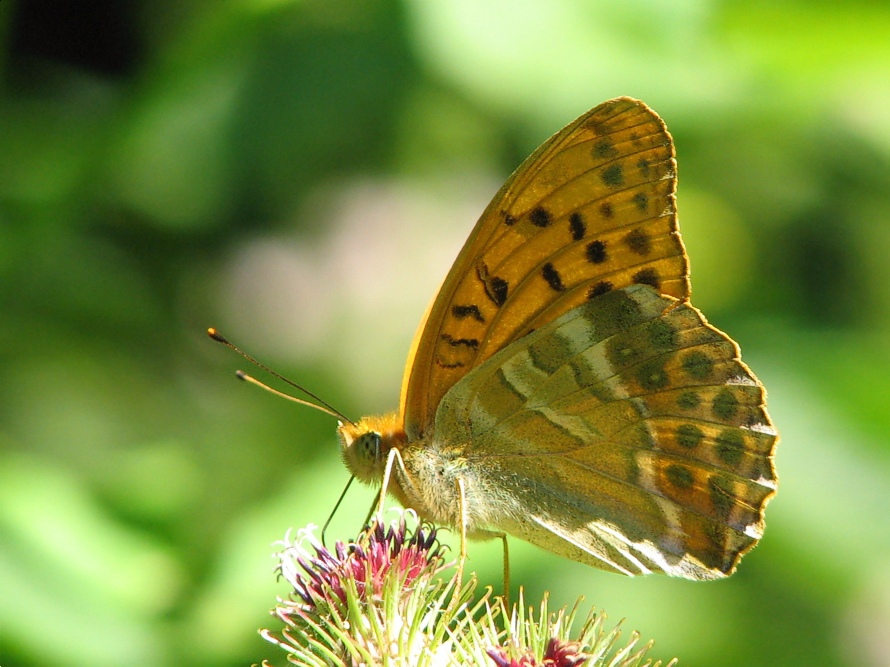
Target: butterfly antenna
pixel 322 405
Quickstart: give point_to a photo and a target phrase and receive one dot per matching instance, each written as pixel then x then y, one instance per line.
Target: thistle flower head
pixel 378 554
pixel 559 653
pixel 377 600
pixel 383 600
pixel 521 638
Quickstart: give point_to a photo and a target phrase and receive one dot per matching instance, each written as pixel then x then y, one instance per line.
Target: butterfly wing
pixel 627 434
pixel 592 210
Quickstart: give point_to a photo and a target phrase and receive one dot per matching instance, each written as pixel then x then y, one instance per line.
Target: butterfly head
pixel 366 444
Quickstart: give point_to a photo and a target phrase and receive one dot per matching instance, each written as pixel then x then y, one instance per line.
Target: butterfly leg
pixel 491 534
pixel 479 534
pixel 387 474
pixel 462 518
pixel 503 537
pixel 372 508
pixel 324 528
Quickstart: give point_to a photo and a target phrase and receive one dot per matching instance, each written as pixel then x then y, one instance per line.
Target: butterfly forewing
pixel 635 427
pixel 590 211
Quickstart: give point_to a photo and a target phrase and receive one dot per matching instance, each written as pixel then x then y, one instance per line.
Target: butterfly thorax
pixel 423 477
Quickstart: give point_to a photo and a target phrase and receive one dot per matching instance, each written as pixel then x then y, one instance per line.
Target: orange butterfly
pixel 562 389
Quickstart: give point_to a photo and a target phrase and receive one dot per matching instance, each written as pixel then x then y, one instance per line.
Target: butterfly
pixel 562 389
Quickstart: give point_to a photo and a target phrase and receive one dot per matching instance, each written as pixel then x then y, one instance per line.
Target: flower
pixel 564 654
pixel 548 640
pixel 377 600
pixel 376 555
pixel 558 654
pixel 383 600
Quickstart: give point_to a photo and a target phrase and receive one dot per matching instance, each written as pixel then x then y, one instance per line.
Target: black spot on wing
pixel 551 275
pixel 470 343
pixel 596 252
pixel 638 241
pixel 577 226
pixel 604 148
pixel 495 288
pixel 613 175
pixel 600 288
pixel 647 277
pixel 463 312
pixel 540 217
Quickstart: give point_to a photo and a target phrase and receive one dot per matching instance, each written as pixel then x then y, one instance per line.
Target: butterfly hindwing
pixel 590 211
pixel 636 428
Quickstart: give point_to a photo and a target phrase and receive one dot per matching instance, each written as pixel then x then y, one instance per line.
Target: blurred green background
pixel 301 175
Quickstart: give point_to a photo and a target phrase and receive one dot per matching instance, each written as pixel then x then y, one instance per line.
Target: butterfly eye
pixel 368 446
